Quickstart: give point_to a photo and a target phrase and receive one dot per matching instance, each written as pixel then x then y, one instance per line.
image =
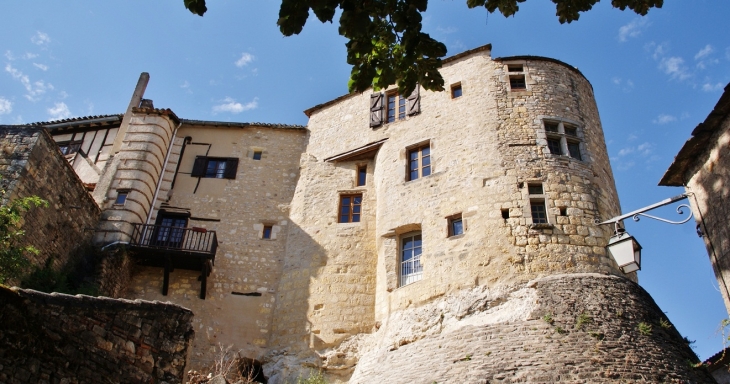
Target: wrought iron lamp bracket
pixel 636 215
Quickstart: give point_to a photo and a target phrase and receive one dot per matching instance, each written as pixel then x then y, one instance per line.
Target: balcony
pixel 175 247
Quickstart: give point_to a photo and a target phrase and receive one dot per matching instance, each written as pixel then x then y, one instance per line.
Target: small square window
pixel 539 214
pixel 121 197
pixel 456 225
pixel 362 174
pixel 267 232
pixel 571 131
pixel 350 208
pixel 517 82
pixel 515 68
pixel 456 90
pixel 257 155
pixel 535 189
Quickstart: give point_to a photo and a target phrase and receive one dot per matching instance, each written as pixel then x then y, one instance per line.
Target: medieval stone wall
pixel 237 310
pixel 31 164
pixel 487 148
pixel 59 338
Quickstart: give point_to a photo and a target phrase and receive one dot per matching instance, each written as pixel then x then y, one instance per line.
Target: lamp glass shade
pixel 626 251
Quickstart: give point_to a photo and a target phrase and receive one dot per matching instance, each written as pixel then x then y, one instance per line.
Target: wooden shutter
pixel 231 168
pixel 414 102
pixel 199 166
pixel 376 109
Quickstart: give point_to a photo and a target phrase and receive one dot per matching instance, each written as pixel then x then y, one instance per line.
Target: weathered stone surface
pixel 31 164
pixel 80 339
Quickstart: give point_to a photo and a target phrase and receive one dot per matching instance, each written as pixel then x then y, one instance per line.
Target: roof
pixel 241 125
pixel 78 121
pixel 718 360
pixel 692 150
pixel 542 58
pixel 483 48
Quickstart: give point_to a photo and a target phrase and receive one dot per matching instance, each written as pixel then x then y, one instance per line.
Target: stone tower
pixel 451 237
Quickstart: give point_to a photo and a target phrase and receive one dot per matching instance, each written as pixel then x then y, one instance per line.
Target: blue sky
pixel 655 78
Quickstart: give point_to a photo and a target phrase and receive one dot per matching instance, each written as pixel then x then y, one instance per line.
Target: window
pixel 396 108
pixel 419 161
pixel 267 232
pixel 121 197
pixel 456 225
pixel 257 155
pixel 350 208
pixel 562 139
pixel 362 174
pixel 537 203
pixel 216 168
pixel 169 230
pixel 539 215
pixel 411 269
pixel 69 147
pixel 516 77
pixel 456 90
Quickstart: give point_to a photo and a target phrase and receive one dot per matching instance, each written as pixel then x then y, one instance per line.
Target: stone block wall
pixel 31 164
pixel 243 285
pixel 59 338
pixel 487 147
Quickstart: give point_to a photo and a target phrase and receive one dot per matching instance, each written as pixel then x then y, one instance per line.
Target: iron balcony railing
pixel 187 240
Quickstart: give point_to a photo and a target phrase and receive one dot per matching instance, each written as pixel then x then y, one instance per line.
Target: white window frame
pixel 411 270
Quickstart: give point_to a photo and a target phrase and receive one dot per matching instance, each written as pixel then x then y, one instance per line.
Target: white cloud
pixel 632 137
pixel 664 119
pixel 9 55
pixel 34 89
pixel 232 106
pixel 657 50
pixel 632 29
pixel 625 85
pixel 674 67
pixel 704 52
pixel 626 151
pixel 42 67
pixel 29 56
pixel 59 111
pixel 40 38
pixel 245 59
pixel 447 30
pixel 645 149
pixel 5 106
pixel 707 87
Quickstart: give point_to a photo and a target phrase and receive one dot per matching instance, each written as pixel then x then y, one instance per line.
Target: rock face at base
pixel 561 329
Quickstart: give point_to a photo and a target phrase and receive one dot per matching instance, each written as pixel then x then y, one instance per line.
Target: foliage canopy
pixel 13 260
pixel 386 45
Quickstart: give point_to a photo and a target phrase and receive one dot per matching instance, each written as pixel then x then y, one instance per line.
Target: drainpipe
pixel 162 175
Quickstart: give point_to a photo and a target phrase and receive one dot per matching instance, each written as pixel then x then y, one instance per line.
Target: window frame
pixel 400 105
pixel 570 144
pixel 257 155
pixel 413 264
pixel 537 198
pixel 361 177
pixel 452 220
pixel 351 208
pixel 201 167
pixel 456 87
pixel 516 77
pixel 418 148
pixel 120 193
pixel 71 146
pixel 267 235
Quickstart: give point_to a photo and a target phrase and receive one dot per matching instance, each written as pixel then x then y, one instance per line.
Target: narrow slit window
pixel 396 107
pixel 267 232
pixel 362 174
pixel 456 225
pixel 456 90
pixel 505 214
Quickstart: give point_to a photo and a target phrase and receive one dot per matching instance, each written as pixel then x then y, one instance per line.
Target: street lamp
pixel 625 250
pixel 623 247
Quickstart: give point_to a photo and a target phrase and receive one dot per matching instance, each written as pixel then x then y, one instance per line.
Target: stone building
pixel 432 237
pixel 702 167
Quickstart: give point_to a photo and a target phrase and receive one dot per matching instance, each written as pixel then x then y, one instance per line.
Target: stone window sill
pixel 542 226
